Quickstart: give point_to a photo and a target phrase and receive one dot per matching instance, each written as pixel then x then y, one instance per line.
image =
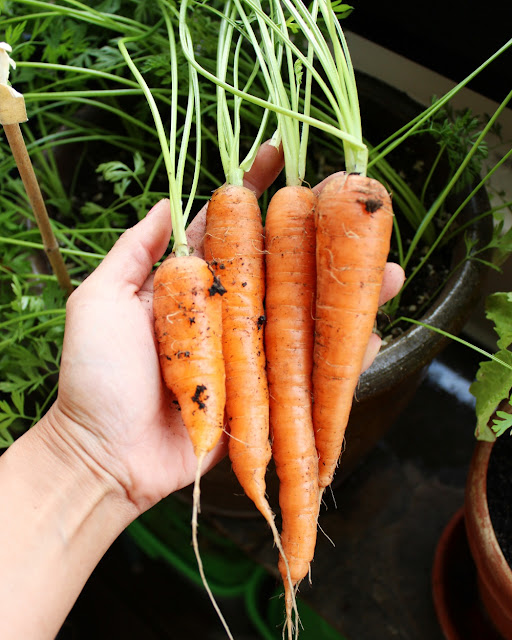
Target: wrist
pixel 58 516
pixel 72 465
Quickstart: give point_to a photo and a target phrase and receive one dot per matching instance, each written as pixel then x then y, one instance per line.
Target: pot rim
pixel 493 569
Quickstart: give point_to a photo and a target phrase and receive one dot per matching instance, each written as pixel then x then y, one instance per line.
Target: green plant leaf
pixel 18 401
pixel 14 32
pixel 498 309
pixel 492 385
pixel 5 409
pixel 114 171
pixel 341 9
pixel 502 422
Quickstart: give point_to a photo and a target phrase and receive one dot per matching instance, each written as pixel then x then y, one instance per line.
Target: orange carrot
pixel 354 223
pixel 289 337
pixel 234 247
pixel 188 327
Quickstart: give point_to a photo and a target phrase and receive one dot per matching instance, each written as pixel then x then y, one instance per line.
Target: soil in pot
pixel 499 493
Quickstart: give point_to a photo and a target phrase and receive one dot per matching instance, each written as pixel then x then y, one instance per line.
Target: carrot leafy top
pixel 286 70
pixel 234 75
pixel 175 162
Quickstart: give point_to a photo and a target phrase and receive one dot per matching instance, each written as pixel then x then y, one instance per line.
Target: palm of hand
pixel 112 393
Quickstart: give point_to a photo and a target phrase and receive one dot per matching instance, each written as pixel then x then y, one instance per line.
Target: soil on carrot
pixel 499 493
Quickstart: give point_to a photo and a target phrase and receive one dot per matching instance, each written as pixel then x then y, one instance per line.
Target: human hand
pixel 113 410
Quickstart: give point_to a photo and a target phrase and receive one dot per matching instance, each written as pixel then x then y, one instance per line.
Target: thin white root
pixel 320 498
pixel 195 511
pixel 333 496
pixel 325 535
pixel 289 623
pixel 266 512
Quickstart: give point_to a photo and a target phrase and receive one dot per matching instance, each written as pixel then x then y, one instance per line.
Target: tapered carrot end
pixel 291 627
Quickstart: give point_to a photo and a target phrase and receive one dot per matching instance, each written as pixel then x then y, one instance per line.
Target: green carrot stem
pixel 174 170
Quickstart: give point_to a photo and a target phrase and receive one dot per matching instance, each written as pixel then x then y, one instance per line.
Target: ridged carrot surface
pixel 187 308
pixel 289 337
pixel 234 247
pixel 354 224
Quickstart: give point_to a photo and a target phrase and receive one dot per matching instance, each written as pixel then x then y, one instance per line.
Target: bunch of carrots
pixel 264 338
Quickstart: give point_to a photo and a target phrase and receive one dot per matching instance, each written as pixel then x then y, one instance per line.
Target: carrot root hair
pixel 195 511
pixel 290 590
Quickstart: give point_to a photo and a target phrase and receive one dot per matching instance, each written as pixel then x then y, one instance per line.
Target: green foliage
pixel 341 9
pixel 494 377
pixel 121 175
pixel 456 132
pixel 502 423
pixel 33 327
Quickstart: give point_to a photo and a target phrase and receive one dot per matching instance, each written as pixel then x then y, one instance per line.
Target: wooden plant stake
pixel 12 113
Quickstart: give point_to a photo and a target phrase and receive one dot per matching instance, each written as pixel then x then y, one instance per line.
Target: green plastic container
pixel 164 532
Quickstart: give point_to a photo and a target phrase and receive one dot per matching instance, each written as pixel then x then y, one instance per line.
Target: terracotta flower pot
pixel 493 571
pixel 471 579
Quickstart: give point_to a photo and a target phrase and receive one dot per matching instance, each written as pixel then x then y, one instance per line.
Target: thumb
pixel 132 257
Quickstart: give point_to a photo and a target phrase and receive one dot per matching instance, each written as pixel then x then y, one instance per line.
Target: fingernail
pixel 158 205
